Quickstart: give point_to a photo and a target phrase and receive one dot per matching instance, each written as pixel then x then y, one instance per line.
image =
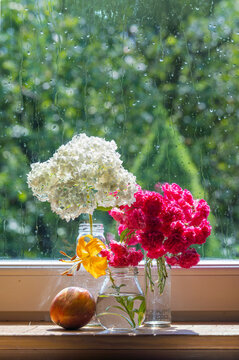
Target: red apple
pixel 72 308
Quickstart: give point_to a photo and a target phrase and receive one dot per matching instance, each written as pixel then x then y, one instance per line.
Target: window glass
pixel 158 77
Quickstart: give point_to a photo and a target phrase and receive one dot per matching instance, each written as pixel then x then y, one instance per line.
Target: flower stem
pixel 123 301
pixel 91 224
pixel 162 274
pixel 148 274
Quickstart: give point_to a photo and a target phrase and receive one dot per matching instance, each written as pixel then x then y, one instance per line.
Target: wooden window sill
pixel 180 341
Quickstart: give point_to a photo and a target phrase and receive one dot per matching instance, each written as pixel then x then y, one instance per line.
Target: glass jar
pixel 82 278
pixel 121 303
pixel 97 230
pixel 157 295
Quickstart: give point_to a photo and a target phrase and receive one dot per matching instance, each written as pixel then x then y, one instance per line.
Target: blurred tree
pixel 160 78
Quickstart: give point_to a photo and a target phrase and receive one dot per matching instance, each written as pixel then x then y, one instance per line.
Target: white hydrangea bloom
pixel 81 176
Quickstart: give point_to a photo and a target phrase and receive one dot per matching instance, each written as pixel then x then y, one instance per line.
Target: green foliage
pixel 160 78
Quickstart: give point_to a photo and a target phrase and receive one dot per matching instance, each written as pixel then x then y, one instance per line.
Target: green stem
pixel 91 224
pixel 148 275
pixel 121 300
pixel 162 274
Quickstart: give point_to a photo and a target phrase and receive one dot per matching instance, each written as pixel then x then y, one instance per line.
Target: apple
pixel 72 308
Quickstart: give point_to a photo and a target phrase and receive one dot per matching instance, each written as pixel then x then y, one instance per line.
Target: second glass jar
pixel 121 302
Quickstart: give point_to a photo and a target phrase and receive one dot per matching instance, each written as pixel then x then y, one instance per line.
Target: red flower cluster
pixel 186 260
pixel 166 224
pixel 119 255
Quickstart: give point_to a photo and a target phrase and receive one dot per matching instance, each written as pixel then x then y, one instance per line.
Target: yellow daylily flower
pixel 88 251
pixel 87 255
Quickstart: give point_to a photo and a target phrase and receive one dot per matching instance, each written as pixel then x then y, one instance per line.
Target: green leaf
pixel 139 297
pixel 140 318
pixel 118 307
pixel 130 303
pixel 142 307
pixel 117 288
pixel 124 234
pixel 124 317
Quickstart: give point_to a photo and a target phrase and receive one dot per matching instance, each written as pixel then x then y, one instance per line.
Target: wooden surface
pixel 180 341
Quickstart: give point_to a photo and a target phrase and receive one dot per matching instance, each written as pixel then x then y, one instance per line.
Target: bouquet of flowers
pixel 87 174
pixel 83 175
pixel 165 225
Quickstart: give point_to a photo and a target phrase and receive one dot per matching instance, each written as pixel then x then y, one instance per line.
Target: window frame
pixel 207 292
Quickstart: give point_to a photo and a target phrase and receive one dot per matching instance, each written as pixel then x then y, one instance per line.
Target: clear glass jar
pixel 97 230
pixel 158 297
pixel 82 278
pixel 121 303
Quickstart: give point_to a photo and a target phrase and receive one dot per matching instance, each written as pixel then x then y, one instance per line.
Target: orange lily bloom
pixel 88 251
pixel 87 255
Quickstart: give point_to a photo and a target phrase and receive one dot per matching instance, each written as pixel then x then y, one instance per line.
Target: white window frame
pixel 207 292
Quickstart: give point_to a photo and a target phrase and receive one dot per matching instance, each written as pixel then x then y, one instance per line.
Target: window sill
pixel 182 340
pixel 207 292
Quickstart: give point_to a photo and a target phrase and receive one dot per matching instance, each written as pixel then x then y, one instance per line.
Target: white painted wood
pixel 29 286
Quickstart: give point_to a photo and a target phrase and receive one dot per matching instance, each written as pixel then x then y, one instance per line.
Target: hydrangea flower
pixel 83 175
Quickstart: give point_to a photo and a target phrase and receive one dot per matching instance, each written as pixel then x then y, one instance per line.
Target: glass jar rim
pixel 122 270
pixel 88 224
pixel 95 227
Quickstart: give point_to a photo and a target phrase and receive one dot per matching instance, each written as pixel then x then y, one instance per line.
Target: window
pixel 158 78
